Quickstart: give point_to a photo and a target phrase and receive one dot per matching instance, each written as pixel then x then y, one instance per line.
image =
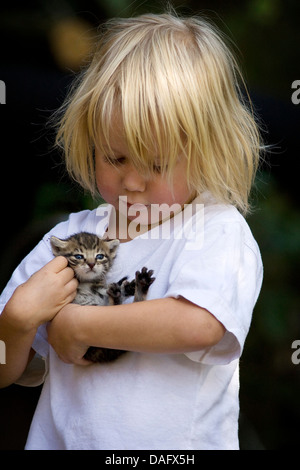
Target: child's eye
pixel 99 256
pixel 120 160
pixel 78 257
pixel 158 168
pixel 115 160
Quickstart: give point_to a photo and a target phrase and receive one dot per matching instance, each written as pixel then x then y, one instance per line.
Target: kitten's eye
pixel 99 256
pixel 78 257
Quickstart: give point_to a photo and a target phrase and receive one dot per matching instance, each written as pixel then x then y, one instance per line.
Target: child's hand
pixel 45 293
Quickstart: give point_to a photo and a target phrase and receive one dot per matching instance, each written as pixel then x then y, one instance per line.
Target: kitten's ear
pixel 113 246
pixel 57 245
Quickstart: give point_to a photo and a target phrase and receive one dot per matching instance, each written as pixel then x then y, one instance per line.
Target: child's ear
pixel 113 246
pixel 57 245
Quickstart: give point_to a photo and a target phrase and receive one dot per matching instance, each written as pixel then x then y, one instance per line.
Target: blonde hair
pixel 175 84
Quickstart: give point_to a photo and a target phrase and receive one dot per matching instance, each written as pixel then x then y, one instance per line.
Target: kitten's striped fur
pixel 91 257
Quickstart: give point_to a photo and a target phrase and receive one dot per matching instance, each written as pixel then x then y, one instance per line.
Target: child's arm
pixel 35 302
pixel 163 325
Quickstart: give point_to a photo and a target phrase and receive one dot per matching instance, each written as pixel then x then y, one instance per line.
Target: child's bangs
pixel 152 139
pixel 153 144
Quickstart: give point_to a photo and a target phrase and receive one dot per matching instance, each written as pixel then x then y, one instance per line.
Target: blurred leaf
pixel 264 11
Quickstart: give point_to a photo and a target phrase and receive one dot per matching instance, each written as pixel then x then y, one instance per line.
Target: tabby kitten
pixel 91 257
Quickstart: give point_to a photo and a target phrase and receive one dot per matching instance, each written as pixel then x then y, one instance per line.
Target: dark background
pixel 43 44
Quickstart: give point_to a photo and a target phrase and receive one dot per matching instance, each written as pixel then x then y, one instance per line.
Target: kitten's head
pixel 88 255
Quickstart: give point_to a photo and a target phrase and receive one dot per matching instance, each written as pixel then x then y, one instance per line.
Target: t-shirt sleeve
pixel 223 275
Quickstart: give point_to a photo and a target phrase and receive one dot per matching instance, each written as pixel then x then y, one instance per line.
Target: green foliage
pixel 63 198
pixel 270 384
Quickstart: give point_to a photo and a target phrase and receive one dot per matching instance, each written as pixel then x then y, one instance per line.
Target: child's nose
pixel 133 180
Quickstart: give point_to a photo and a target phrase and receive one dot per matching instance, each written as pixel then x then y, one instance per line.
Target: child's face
pixel 123 180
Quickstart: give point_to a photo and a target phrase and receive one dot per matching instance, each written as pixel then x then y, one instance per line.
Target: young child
pixel 158 126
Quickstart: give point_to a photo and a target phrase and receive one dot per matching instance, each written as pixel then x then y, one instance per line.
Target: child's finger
pixel 66 275
pixel 57 264
pixel 71 286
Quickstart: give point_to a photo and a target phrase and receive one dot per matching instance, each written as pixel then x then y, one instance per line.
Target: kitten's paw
pixel 121 281
pixel 114 291
pixel 144 279
pixel 128 288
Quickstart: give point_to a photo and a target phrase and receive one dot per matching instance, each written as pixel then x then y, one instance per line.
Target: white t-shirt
pixel 155 401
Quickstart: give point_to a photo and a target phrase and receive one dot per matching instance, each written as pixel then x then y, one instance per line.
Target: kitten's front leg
pixel 128 288
pixel 114 294
pixel 143 280
pixel 118 291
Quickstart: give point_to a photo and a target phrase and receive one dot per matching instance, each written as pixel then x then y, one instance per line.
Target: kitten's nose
pixel 91 265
